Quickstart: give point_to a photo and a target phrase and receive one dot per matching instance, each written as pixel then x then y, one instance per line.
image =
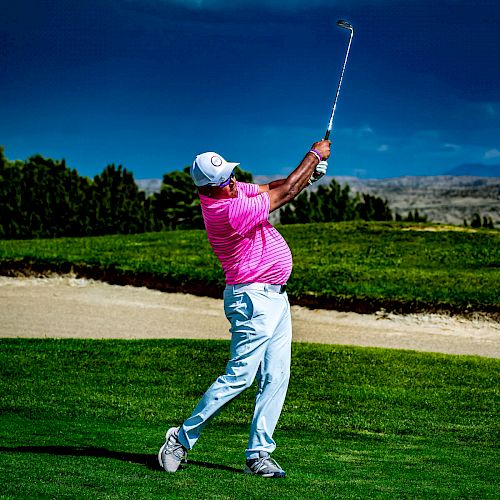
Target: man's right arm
pixel 283 191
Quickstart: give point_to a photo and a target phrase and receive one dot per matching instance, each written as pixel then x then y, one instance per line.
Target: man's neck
pixel 218 193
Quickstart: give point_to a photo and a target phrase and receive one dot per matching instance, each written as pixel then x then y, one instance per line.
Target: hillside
pixel 475 169
pixel 444 199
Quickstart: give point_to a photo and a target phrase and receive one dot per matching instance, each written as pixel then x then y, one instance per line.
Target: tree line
pixel 42 197
pixel 477 221
pixel 334 203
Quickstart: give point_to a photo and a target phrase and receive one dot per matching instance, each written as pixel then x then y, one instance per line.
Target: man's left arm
pixel 319 172
pixel 272 185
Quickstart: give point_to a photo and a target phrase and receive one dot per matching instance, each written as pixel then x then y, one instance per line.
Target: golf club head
pixel 344 24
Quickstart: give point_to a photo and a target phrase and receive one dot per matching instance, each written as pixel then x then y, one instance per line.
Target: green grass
pixel 85 418
pixel 360 266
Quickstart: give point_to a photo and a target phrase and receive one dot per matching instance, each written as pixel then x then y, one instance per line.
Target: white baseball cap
pixel 211 168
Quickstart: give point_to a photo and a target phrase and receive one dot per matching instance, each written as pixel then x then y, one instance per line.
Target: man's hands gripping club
pixel 321 167
pixel 285 190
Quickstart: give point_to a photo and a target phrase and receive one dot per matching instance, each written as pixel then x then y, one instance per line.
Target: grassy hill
pixel 348 266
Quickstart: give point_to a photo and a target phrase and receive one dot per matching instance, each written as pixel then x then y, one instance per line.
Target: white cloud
pixel 451 147
pixel 361 132
pixel 365 130
pixel 492 153
pixel 382 148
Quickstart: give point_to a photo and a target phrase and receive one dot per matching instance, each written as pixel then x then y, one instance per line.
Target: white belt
pixel 257 286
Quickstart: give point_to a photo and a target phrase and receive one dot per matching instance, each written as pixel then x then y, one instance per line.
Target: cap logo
pixel 216 161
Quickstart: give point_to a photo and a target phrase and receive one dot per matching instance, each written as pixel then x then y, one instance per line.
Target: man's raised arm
pixel 283 191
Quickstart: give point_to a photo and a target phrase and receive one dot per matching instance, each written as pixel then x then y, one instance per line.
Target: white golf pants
pixel 261 336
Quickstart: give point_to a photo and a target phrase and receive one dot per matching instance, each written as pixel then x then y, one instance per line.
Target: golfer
pixel 257 264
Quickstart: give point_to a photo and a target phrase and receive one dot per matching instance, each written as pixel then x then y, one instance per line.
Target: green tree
pixel 42 207
pixel 241 175
pixel 177 204
pixel 334 203
pixel 476 221
pixel 373 208
pixel 117 205
pixel 287 215
pixel 488 222
pixel 42 198
pixel 10 197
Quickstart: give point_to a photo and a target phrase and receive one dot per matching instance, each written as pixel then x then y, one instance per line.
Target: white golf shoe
pixel 172 453
pixel 264 466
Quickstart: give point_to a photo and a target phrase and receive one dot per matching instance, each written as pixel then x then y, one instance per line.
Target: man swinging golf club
pixel 257 264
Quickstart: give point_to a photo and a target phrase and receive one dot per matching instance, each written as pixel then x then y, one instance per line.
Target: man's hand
pixel 298 180
pixel 319 171
pixel 323 148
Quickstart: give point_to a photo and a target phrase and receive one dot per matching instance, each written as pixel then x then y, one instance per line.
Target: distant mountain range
pixel 444 198
pixel 449 199
pixel 478 169
pixel 149 186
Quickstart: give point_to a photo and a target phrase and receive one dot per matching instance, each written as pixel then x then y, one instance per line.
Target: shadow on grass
pixel 147 460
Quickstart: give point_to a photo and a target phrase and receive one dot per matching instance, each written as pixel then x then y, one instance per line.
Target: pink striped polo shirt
pixel 249 248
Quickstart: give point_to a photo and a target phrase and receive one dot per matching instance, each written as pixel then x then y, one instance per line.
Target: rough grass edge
pixel 362 305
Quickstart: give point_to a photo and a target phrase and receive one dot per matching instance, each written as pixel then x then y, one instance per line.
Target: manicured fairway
pixel 84 419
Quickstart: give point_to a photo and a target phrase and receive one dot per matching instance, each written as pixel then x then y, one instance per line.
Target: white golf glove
pixel 319 171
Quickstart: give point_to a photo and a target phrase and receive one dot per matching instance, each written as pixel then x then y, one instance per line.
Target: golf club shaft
pixel 328 130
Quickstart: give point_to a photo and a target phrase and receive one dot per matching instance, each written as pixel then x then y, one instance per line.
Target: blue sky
pixel 151 83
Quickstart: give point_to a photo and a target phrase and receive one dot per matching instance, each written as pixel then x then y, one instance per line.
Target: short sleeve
pixel 246 213
pixel 250 190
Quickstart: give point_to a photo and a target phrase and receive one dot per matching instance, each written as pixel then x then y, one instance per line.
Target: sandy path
pixel 67 307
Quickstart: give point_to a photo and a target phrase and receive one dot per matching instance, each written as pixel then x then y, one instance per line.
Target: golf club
pixel 348 26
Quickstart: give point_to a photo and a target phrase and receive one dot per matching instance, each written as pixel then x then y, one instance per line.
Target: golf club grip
pixel 327 135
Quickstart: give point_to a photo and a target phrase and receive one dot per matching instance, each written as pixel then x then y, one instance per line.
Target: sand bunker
pixel 66 307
